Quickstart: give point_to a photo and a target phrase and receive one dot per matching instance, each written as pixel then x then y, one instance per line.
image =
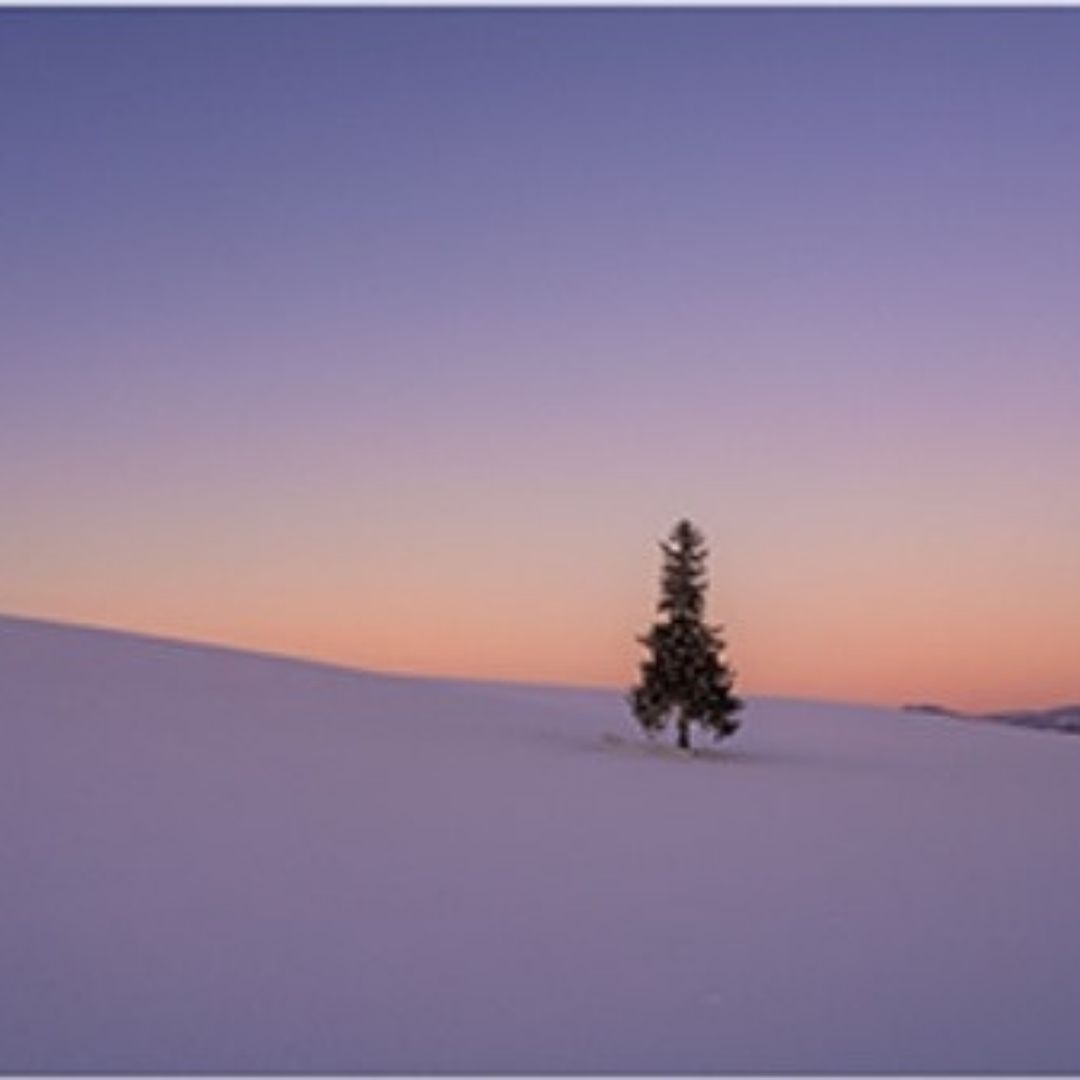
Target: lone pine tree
pixel 684 674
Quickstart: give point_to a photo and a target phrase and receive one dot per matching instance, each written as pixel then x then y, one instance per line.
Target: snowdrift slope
pixel 211 861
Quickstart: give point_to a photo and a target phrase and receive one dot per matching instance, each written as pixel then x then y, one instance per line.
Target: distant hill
pixel 1062 718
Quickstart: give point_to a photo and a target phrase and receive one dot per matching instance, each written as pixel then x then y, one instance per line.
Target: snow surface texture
pixel 216 862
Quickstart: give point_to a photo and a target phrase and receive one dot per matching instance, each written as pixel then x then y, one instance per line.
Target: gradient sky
pixel 398 338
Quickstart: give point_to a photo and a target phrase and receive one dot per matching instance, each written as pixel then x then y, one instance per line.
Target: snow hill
pixel 217 862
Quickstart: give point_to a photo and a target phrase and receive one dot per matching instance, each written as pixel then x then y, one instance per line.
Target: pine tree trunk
pixel 684 733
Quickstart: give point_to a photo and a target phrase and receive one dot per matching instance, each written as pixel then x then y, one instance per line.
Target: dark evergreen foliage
pixel 684 674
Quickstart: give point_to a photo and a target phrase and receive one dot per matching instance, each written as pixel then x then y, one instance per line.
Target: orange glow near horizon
pixel 822 594
pixel 953 654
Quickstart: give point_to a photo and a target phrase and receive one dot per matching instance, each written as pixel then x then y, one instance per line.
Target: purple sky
pixel 399 337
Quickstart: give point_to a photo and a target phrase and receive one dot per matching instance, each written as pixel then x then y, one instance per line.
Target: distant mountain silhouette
pixel 1064 718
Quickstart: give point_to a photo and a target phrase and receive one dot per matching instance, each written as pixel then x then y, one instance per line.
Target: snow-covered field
pixel 211 861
